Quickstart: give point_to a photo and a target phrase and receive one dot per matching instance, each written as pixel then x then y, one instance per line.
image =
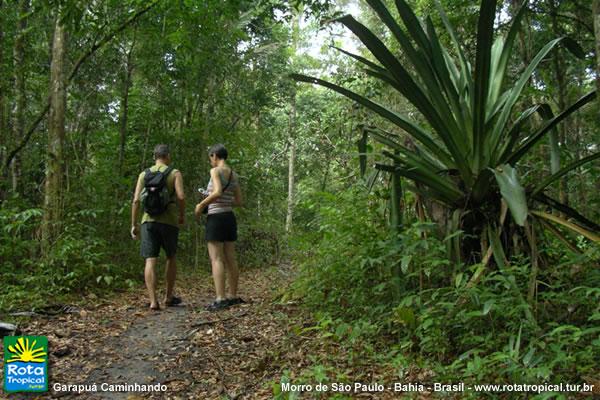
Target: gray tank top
pixel 223 203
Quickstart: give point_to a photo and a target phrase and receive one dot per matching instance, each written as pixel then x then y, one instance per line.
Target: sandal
pixel 235 300
pixel 217 305
pixel 173 301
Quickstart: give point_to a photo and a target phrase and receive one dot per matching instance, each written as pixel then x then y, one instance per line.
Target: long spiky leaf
pixel 404 123
pixel 532 140
pixel 446 128
pixel 500 125
pixel 485 32
pixel 554 177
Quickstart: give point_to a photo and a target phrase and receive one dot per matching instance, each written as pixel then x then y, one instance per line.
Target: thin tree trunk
pixel 125 107
pixel 292 129
pixel 146 136
pixel 396 203
pixel 56 137
pixel 19 77
pixel 3 128
pixel 291 166
pixel 596 14
pixel 559 75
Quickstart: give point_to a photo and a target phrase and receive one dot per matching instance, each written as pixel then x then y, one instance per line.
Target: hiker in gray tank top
pixel 221 227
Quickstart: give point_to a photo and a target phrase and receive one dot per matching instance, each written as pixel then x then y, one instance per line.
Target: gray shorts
pixel 156 235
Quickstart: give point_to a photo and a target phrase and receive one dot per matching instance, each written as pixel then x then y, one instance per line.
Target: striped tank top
pixel 224 202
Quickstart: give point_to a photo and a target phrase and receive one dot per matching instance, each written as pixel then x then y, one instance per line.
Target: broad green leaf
pixel 487 306
pixel 512 192
pixel 405 263
pixel 458 279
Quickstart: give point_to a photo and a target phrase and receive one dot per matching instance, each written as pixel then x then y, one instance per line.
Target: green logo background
pixel 41 342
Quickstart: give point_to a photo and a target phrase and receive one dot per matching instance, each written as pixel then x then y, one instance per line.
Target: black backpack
pixel 155 196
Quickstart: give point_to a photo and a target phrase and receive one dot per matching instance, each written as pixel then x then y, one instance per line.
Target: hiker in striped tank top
pixel 221 227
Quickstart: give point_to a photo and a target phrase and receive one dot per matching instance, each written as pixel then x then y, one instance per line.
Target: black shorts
pixel 156 235
pixel 221 227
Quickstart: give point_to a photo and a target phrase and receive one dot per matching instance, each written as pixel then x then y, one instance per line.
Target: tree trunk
pixel 596 14
pixel 3 129
pixel 125 108
pixel 291 166
pixel 559 75
pixel 292 127
pixel 396 201
pixel 56 137
pixel 19 77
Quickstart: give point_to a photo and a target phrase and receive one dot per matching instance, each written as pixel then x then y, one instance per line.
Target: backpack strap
pixel 168 171
pixel 166 174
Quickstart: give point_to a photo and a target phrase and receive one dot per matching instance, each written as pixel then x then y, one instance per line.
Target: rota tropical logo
pixel 25 364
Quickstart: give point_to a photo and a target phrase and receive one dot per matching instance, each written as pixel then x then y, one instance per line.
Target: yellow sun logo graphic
pixel 25 351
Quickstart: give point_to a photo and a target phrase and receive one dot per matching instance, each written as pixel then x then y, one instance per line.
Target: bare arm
pixel 216 192
pixel 135 208
pixel 179 192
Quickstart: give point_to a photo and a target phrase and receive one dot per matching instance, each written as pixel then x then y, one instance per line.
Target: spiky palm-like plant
pixel 473 139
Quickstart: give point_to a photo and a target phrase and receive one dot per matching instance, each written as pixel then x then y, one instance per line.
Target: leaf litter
pixel 237 353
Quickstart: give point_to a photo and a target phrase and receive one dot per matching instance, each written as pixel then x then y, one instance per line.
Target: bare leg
pixel 217 260
pixel 150 277
pixel 170 275
pixel 233 272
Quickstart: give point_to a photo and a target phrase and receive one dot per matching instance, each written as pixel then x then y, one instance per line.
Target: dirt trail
pixel 238 353
pixel 194 353
pixel 142 350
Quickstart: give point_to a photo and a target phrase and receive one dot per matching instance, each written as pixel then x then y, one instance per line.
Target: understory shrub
pixel 84 258
pixel 421 309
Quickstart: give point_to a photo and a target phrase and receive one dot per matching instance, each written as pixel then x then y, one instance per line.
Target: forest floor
pixel 238 353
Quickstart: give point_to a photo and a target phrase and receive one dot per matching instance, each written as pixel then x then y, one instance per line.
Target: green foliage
pixel 468 105
pixel 368 290
pixel 79 261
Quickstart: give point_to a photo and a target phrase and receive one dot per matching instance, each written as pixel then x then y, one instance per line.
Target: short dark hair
pixel 161 151
pixel 218 150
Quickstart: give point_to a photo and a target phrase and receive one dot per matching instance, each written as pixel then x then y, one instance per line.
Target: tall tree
pixel 292 128
pixel 3 134
pixel 291 164
pixel 56 137
pixel 125 104
pixel 19 79
pixel 559 76
pixel 596 14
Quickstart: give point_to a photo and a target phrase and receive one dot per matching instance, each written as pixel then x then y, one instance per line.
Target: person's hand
pixel 198 210
pixel 134 232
